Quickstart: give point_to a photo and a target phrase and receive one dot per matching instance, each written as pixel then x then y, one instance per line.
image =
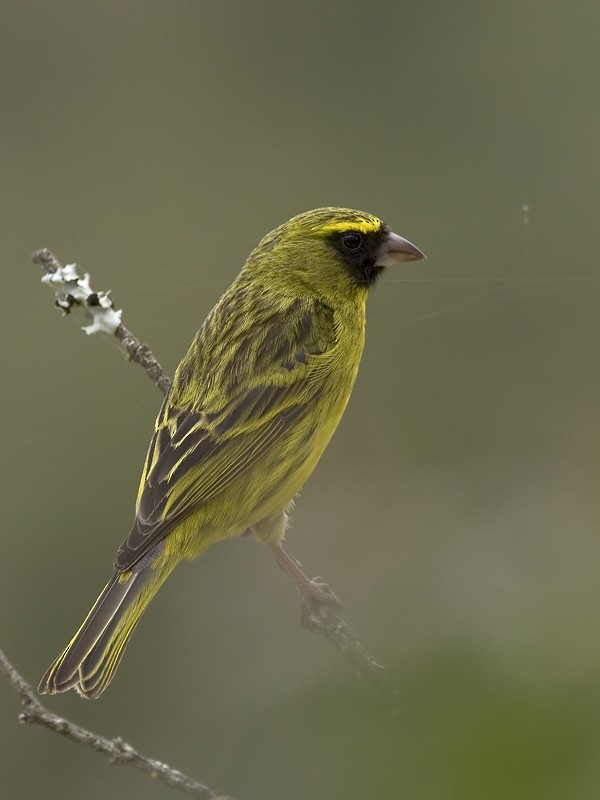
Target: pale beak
pixel 396 250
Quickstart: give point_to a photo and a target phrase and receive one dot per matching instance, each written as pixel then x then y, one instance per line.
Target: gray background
pixel 456 511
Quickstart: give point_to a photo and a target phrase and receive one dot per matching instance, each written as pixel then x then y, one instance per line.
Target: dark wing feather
pixel 196 453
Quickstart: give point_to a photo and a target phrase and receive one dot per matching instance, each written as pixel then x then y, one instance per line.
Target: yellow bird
pixel 254 403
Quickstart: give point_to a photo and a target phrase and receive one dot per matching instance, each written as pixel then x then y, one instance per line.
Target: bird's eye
pixel 352 241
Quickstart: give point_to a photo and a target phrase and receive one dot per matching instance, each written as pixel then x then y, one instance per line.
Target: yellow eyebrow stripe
pixel 363 224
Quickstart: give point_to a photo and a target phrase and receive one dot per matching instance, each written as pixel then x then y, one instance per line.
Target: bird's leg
pixel 314 592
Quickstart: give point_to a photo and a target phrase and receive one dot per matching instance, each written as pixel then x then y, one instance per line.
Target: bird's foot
pixel 320 591
pixel 318 602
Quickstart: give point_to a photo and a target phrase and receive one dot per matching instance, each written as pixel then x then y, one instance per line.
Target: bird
pixel 252 406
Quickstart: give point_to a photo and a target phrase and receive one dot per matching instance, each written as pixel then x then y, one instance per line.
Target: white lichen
pixel 70 289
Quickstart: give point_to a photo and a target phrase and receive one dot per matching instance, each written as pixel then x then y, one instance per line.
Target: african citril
pixel 253 405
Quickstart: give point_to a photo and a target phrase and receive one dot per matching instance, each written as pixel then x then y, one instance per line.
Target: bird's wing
pixel 197 452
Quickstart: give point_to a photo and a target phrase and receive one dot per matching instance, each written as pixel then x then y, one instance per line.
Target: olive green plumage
pixel 253 405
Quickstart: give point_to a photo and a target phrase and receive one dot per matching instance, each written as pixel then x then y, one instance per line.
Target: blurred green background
pixel 456 512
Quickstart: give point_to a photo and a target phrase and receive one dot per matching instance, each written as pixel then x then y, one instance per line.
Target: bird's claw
pixel 321 592
pixel 318 599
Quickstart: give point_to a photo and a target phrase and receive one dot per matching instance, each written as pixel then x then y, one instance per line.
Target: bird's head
pixel 330 253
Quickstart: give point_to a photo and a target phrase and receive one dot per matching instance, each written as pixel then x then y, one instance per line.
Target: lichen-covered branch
pixel 119 751
pixel 319 616
pixel 73 290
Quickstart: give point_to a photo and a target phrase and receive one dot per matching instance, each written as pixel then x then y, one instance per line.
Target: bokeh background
pixel 457 511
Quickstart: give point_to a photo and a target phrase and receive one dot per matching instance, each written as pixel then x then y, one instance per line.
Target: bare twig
pixel 119 751
pixel 323 617
pixel 318 615
pixel 142 355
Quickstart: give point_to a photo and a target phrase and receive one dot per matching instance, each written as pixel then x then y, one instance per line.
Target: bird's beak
pixel 396 250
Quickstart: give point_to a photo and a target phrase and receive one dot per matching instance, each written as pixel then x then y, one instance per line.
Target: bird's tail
pixel 89 661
